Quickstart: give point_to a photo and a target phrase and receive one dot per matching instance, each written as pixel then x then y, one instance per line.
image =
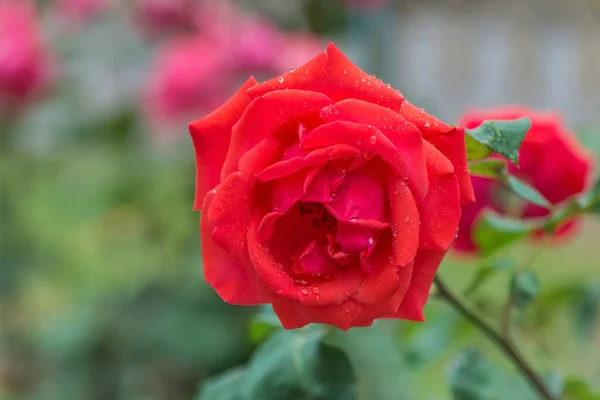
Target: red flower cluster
pixel 328 195
pixel 551 160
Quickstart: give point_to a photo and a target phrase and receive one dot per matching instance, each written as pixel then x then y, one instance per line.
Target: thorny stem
pixel 504 344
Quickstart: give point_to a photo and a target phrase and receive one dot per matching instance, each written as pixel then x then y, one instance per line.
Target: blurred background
pixel 101 288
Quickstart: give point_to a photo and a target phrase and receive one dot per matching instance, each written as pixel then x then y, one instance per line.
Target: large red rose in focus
pixel 550 159
pixel 328 195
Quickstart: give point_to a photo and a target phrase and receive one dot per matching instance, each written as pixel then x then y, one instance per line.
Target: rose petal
pixel 425 266
pixel 448 140
pixel 235 283
pixel 440 211
pixel 230 213
pixel 211 136
pixel 405 220
pixel 405 136
pixel 266 116
pixel 365 138
pixel 337 77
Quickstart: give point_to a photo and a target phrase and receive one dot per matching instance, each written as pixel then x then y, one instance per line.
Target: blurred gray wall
pixel 450 55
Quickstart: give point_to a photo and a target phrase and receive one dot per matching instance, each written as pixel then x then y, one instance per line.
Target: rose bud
pixel 551 160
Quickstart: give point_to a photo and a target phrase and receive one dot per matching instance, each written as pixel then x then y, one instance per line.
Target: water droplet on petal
pixel 345 72
pixel 369 155
pixel 358 143
pixel 373 139
pixel 315 289
pixel 214 191
pixel 407 219
pixel 304 291
pixel 280 79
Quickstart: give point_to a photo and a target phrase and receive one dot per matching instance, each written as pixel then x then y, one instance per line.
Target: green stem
pixel 504 344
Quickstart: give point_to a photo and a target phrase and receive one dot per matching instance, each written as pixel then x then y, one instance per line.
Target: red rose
pixel 551 160
pixel 329 196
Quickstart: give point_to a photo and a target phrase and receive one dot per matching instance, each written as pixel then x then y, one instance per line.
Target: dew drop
pixel 397 192
pixel 371 241
pixel 280 79
pixel 315 289
pixel 345 72
pixel 369 155
pixel 407 219
pixel 373 139
pixel 358 143
pixel 213 191
pixel 318 297
pixel 304 291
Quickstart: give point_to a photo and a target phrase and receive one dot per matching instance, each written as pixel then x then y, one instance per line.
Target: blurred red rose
pixel 551 160
pixel 26 67
pixel 190 75
pixel 328 195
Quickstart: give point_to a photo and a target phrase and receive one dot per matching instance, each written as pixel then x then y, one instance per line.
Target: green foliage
pixel 496 169
pixel 486 270
pixel 376 360
pixel 525 286
pixel 494 231
pixel 576 389
pixel 289 365
pixel 500 137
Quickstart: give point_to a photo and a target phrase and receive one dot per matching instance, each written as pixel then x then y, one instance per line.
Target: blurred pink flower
pixel 190 75
pixel 80 11
pixel 26 67
pixel 157 17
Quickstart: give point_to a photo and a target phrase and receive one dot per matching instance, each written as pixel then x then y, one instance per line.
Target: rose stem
pixel 505 345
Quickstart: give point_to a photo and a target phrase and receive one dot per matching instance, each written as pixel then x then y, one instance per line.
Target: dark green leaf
pixel 495 231
pixel 296 365
pixel 586 311
pixel 525 287
pixel 576 389
pixel 501 137
pixel 226 386
pixel 376 360
pixel 527 192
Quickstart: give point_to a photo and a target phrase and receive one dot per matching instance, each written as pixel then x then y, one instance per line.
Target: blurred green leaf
pixel 494 231
pixel 471 377
pixel 500 137
pixel 577 389
pixel 264 323
pixel 587 307
pixel 376 360
pixel 527 192
pixel 296 365
pixel 497 169
pixel 525 286
pixel 227 386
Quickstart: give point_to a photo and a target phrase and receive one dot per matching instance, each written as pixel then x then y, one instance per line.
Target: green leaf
pixel 496 169
pixel 576 389
pixel 226 386
pixel 495 231
pixel 473 377
pixel 493 168
pixel 501 137
pixel 376 360
pixel 296 365
pixel 525 286
pixel 527 192
pixel 263 324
